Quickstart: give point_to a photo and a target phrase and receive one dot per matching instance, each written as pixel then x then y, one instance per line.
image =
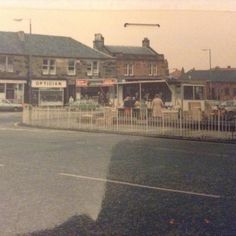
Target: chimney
pixel 21 36
pixel 98 42
pixel 146 43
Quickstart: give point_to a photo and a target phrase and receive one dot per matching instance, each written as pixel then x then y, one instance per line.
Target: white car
pixel 7 105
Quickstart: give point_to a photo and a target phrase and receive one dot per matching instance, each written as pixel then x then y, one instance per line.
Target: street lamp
pixel 29 71
pixel 210 76
pixel 22 19
pixel 140 24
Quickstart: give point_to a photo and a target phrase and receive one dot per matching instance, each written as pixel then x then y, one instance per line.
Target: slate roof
pixel 131 50
pixel 216 75
pixel 46 45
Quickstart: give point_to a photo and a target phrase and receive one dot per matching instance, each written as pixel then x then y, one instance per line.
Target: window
pixel 193 92
pixel 152 69
pixel 129 69
pixel 6 64
pixel 93 68
pixel 188 92
pixel 226 91
pixel 234 91
pixel 71 67
pixel 2 88
pixel 49 66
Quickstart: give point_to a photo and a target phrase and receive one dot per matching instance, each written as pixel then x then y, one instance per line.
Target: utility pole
pixel 29 60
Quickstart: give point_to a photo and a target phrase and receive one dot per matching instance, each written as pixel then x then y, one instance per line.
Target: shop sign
pixel 109 82
pixel 48 84
pixel 82 83
pixel 8 81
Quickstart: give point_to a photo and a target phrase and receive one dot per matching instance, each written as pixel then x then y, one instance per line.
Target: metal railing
pixel 134 121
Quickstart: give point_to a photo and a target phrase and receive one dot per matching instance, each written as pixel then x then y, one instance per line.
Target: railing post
pixel 218 125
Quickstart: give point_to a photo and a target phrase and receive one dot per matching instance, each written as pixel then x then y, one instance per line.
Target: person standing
pixel 157 105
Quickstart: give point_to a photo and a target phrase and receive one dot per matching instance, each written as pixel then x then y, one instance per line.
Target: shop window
pixel 234 91
pixel 152 69
pixel 71 67
pixel 188 92
pixel 193 92
pixel 198 93
pixel 129 69
pixel 6 64
pixel 49 67
pixel 226 91
pixel 2 88
pixel 92 68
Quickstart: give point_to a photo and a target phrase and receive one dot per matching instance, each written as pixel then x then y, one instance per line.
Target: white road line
pixel 141 186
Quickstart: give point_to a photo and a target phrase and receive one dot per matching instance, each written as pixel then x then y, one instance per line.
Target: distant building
pixel 220 82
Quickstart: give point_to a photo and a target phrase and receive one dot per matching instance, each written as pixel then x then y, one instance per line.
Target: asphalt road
pixel 76 183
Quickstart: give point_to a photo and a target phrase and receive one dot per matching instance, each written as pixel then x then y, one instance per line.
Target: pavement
pixel 58 182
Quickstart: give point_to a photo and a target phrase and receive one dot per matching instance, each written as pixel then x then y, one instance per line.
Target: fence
pixel 135 121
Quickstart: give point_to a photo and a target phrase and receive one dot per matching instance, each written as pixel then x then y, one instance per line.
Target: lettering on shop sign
pixel 48 84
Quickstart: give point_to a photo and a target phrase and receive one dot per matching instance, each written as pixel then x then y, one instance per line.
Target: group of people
pixel 156 105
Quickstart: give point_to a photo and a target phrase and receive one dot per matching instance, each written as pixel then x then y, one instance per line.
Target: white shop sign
pixel 8 81
pixel 48 84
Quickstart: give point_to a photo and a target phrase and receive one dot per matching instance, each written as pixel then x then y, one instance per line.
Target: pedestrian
pixel 157 106
pixel 128 104
pixel 71 100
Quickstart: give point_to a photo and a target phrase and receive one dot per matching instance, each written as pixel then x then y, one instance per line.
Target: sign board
pixel 8 81
pixel 48 84
pixel 82 83
pixel 108 82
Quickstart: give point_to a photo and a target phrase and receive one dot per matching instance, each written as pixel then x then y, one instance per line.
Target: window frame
pixel 71 71
pixel 129 69
pixel 50 67
pixel 93 68
pixel 7 64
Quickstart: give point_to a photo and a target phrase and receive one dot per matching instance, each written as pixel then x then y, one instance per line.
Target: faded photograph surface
pixel 117 118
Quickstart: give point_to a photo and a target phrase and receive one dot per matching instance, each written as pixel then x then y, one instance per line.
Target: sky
pixel 186 27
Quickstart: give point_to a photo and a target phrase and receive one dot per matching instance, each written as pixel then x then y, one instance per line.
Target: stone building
pixel 136 67
pixel 47 70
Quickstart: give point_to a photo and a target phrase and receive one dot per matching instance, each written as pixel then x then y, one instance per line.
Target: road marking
pixel 141 186
pixel 1 165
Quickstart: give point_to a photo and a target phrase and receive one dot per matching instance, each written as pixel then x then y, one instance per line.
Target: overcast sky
pixel 186 26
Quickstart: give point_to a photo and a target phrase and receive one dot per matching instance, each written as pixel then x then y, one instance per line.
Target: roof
pixel 131 50
pixel 216 75
pixel 46 45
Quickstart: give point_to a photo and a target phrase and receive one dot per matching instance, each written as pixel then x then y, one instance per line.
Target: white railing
pixel 135 121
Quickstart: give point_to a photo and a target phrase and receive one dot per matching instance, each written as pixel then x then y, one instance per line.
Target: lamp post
pixel 210 71
pixel 27 19
pixel 29 70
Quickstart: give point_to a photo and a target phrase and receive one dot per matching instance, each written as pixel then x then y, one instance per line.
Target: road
pixel 76 183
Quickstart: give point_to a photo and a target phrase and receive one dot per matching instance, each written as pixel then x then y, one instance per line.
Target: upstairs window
pixel 6 64
pixel 71 70
pixel 93 68
pixel 152 69
pixel 129 69
pixel 49 66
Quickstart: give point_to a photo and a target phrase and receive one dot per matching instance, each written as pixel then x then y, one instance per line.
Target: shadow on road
pixel 129 210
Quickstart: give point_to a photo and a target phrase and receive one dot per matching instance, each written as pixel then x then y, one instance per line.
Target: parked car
pixel 230 108
pixel 7 105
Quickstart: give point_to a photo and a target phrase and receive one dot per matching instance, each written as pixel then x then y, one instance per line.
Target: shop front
pixel 144 90
pixel 13 90
pixel 100 91
pixel 48 92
